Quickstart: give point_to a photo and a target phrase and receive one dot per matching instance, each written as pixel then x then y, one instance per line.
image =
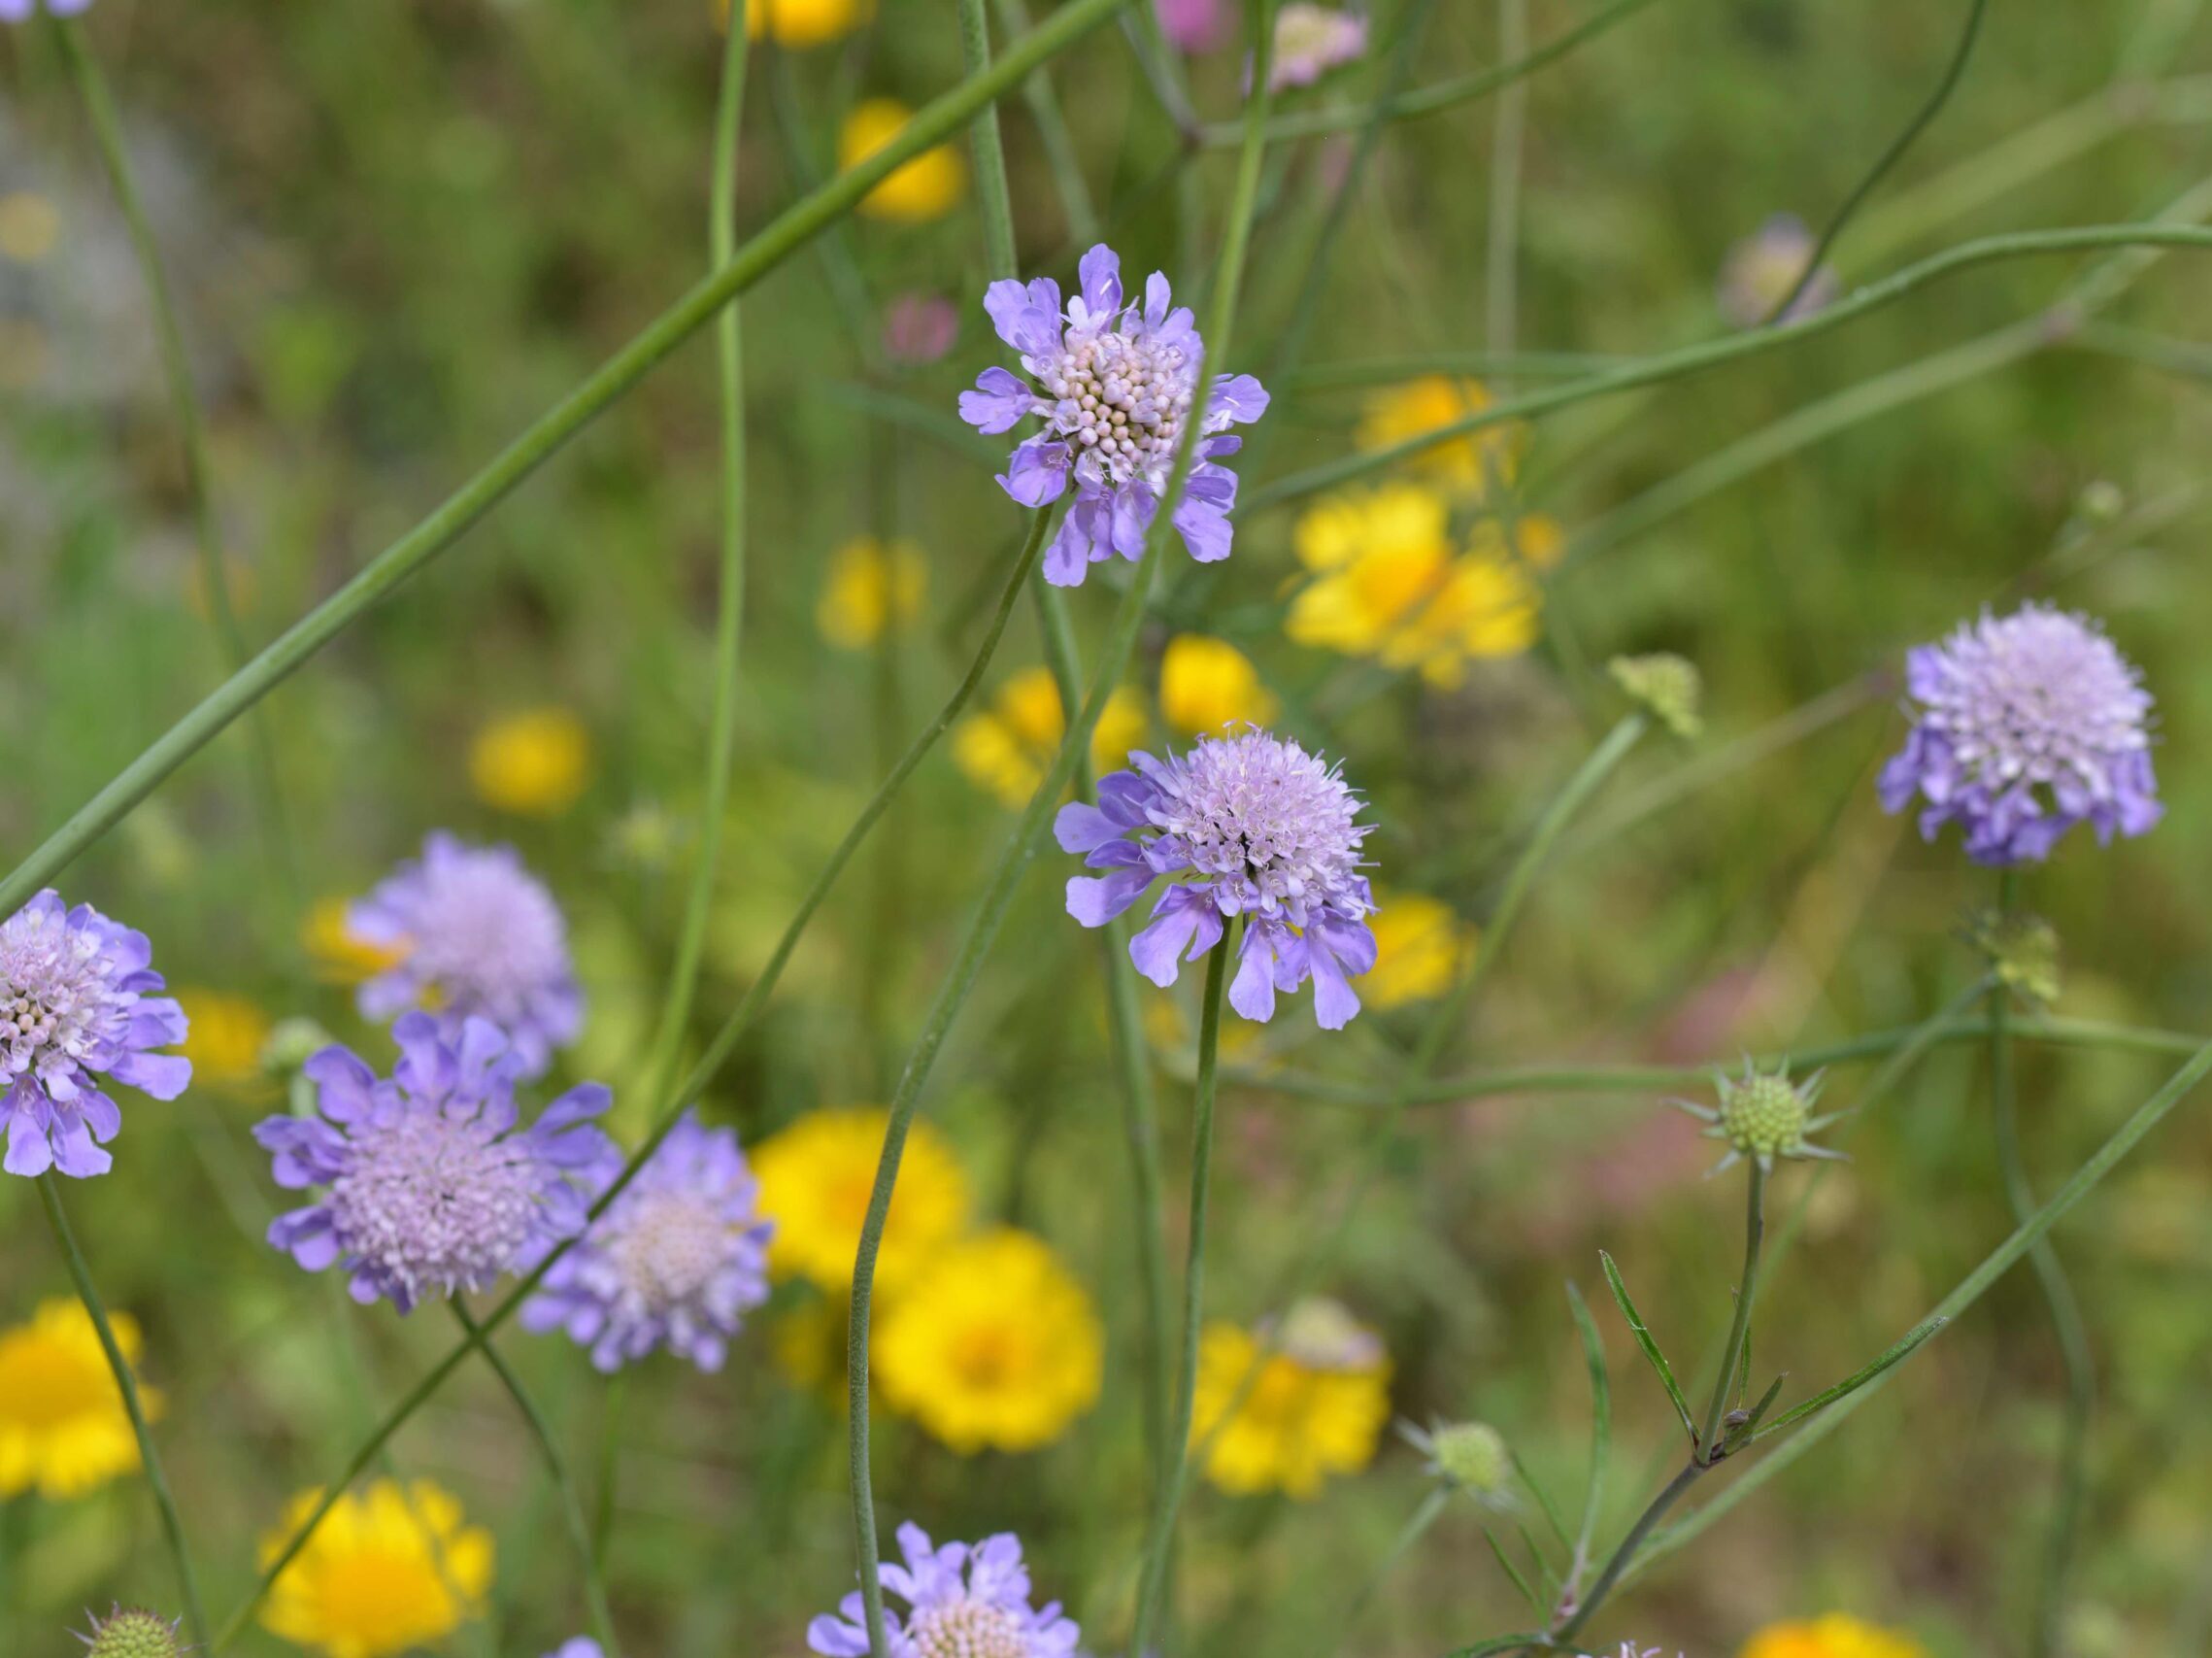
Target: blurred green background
pixel 401 231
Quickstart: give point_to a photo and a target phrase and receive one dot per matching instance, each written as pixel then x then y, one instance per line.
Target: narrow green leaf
pixel 1505 1561
pixel 1543 1566
pixel 1765 1404
pixel 1851 1384
pixel 1600 1420
pixel 1543 1501
pixel 1650 1349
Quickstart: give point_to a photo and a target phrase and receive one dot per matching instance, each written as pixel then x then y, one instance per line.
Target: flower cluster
pixel 2025 725
pixel 1114 384
pixel 962 1601
pixel 1250 825
pixel 676 1261
pixel 430 1188
pixel 72 1009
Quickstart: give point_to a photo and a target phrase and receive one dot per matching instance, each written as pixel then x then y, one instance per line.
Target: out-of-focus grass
pixel 399 232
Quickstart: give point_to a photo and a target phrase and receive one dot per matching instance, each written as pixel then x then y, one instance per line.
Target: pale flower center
pixel 670 1247
pixel 967 1629
pixel 436 1202
pixel 1120 399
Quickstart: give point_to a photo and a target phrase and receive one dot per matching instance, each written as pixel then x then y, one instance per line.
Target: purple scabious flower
pixel 582 1647
pixel 22 10
pixel 73 1008
pixel 1114 385
pixel 676 1262
pixel 430 1189
pixel 963 1600
pixel 2025 725
pixel 1248 824
pixel 1312 40
pixel 482 939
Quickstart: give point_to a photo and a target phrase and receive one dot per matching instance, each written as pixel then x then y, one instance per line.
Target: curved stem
pixel 557 1464
pixel 729 621
pixel 1888 159
pixel 1159 1542
pixel 1619 1561
pixel 1736 1350
pixel 156 1480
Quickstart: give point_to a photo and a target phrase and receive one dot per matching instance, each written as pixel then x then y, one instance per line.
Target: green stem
pixel 1509 135
pixel 670 1106
pixel 1737 1348
pixel 992 195
pixel 790 231
pixel 263 769
pixel 557 1464
pixel 156 1480
pixel 729 621
pixel 610 1468
pixel 1621 1558
pixel 1160 1541
pixel 1889 157
pixel 2065 1314
pixel 1055 138
pixel 998 893
pixel 1709 353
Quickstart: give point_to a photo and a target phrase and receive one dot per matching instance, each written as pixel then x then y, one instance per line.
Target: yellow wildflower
pixel 339 955
pixel 1005 748
pixel 870 586
pixel 923 188
pixel 1315 1407
pixel 225 1040
pixel 386 1571
pixel 1206 683
pixel 1537 540
pixel 1837 1635
pixel 800 23
pixel 1421 950
pixel 995 1346
pixel 1464 463
pixel 814 1179
pixel 63 1428
pixel 807 1344
pixel 533 762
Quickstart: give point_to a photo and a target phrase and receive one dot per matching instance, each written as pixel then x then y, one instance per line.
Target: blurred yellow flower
pixel 814 1179
pixel 533 762
pixel 339 957
pixel 995 1346
pixel 225 1039
pixel 1838 1635
pixel 923 188
pixel 1388 584
pixel 1315 1407
pixel 62 1424
pixel 1206 683
pixel 870 586
pixel 1536 541
pixel 806 1343
pixel 386 1571
pixel 1005 748
pixel 800 23
pixel 1420 949
pixel 1401 413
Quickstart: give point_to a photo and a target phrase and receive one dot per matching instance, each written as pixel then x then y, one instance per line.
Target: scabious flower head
pixel 2025 725
pixel 816 1175
pixel 1835 1634
pixel 916 191
pixel 1422 947
pixel 1250 825
pixel 74 1009
pixel 1763 267
pixel 132 1631
pixel 479 936
pixel 995 1345
pixel 388 1570
pixel 1206 683
pixel 582 1647
pixel 1467 465
pixel 1667 686
pixel 962 1601
pixel 920 328
pixel 20 10
pixel 675 1261
pixel 533 763
pixel 430 1188
pixel 63 1429
pixel 1113 384
pixel 1006 748
pixel 1469 1456
pixel 871 586
pixel 1312 40
pixel 1293 1422
pixel 1764 1115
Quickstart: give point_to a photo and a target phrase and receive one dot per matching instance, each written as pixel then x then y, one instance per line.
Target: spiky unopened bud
pixel 2022 950
pixel 130 1632
pixel 1763 1114
pixel 1667 686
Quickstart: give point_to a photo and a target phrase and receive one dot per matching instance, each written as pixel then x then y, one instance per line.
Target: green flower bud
pixel 128 1631
pixel 1471 1454
pixel 2022 950
pixel 1764 1115
pixel 1668 687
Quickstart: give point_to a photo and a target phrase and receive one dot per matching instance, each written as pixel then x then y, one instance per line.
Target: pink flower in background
pixel 1194 26
pixel 920 328
pixel 1312 40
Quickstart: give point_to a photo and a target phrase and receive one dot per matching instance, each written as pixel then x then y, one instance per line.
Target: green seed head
pixel 1667 686
pixel 1763 1116
pixel 2021 949
pixel 1471 1454
pixel 130 1633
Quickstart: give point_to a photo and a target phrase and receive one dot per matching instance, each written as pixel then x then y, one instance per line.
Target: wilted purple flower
pixel 1252 826
pixel 676 1261
pixel 1193 26
pixel 2024 727
pixel 1763 267
pixel 482 939
pixel 430 1189
pixel 963 1602
pixel 1113 384
pixel 920 328
pixel 73 1008
pixel 19 11
pixel 1312 40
